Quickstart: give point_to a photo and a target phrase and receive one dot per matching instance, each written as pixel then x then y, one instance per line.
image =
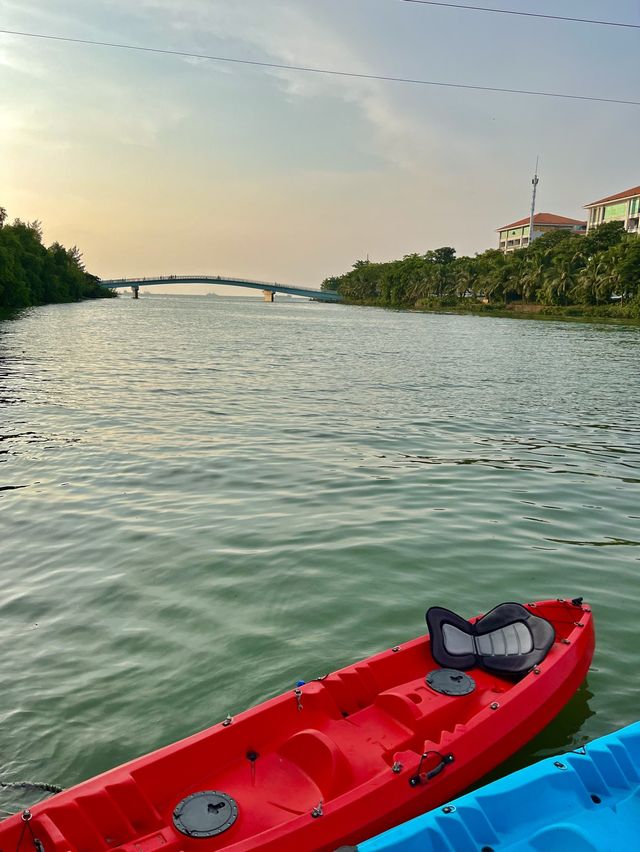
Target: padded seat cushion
pixel 509 640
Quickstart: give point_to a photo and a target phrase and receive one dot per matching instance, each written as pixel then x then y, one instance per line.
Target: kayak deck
pixel 327 763
pixel 351 731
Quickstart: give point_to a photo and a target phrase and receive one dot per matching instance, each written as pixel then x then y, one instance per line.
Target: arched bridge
pixel 268 288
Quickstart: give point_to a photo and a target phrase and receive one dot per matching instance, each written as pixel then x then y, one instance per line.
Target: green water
pixel 204 500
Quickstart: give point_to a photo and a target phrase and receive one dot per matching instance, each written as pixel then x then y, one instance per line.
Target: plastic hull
pixel 584 801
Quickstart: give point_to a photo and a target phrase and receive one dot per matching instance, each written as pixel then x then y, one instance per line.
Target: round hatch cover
pixel 205 814
pixel 451 682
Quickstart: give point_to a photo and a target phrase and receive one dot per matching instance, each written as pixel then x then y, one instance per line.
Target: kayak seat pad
pixel 509 640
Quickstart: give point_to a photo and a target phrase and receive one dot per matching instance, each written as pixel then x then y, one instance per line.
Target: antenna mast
pixel 535 183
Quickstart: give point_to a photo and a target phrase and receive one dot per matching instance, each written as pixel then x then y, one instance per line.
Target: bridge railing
pixel 204 278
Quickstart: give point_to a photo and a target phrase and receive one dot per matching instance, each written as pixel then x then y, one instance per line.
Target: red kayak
pixel 340 758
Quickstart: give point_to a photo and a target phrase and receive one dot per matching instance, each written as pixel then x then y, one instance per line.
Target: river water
pixel 203 500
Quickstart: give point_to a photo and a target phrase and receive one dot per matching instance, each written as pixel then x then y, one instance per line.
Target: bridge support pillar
pixel 269 295
pixel 135 290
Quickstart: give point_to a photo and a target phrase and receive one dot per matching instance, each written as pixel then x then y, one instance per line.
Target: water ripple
pixel 205 500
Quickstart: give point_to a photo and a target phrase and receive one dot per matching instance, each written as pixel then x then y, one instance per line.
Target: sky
pixel 160 165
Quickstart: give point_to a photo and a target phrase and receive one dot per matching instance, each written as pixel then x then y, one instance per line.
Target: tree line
pixel 594 273
pixel 34 274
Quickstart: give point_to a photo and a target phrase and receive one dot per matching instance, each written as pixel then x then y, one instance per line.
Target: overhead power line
pixel 625 24
pixel 306 69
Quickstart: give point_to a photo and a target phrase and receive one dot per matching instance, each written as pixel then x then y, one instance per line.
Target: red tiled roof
pixel 544 219
pixel 628 193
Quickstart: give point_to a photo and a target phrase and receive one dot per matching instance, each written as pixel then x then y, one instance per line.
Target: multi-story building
pixel 622 207
pixel 516 235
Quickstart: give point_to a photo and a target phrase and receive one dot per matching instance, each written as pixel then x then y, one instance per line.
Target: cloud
pixel 297 34
pixel 17 55
pixel 292 32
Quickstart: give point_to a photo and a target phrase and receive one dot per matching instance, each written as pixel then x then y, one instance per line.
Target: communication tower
pixel 535 183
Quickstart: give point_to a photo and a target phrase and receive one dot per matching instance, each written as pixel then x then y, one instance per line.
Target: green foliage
pixel 31 274
pixel 559 270
pixel 606 235
pixel 627 263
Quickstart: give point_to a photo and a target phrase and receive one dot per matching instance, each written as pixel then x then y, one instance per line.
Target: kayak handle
pixel 423 777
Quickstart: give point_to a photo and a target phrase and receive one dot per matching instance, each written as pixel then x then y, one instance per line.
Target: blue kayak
pixel 583 801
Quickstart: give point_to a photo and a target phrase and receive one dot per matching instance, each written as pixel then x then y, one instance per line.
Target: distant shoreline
pixel 569 316
pixel 560 275
pixel 34 274
pixel 570 313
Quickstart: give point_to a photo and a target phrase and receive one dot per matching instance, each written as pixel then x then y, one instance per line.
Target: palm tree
pixel 532 278
pixel 609 282
pixel 562 277
pixel 586 291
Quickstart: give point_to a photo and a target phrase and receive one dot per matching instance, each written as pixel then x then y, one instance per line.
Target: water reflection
pixel 613 542
pixel 514 463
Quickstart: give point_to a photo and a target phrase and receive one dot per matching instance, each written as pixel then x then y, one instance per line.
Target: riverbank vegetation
pixel 34 274
pixel 561 273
